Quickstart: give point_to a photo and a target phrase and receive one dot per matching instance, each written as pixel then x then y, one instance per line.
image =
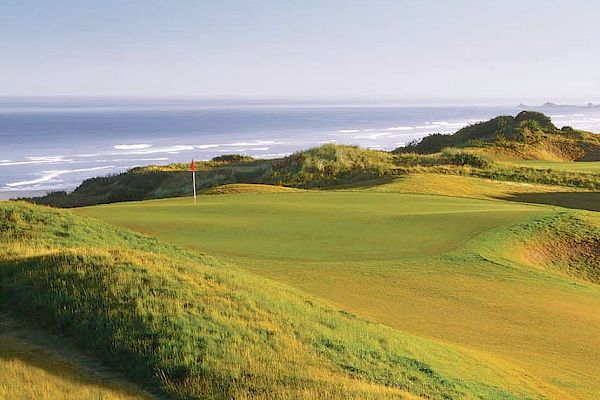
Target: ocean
pixel 54 144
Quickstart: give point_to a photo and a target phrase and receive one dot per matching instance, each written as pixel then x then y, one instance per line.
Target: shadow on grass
pixel 580 200
pixel 363 184
pixel 37 350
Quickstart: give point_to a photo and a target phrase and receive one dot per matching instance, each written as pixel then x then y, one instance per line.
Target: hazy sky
pixel 455 49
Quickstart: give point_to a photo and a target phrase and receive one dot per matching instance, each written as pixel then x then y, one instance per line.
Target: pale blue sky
pixel 405 50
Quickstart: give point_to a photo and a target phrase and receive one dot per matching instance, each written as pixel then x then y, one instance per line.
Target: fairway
pixel 414 262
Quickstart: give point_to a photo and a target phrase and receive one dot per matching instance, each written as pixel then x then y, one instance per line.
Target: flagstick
pixel 194 184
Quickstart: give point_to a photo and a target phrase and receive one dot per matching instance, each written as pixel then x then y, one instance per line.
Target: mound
pixel 198 329
pixel 462 186
pixel 331 164
pixel 529 135
pixel 567 242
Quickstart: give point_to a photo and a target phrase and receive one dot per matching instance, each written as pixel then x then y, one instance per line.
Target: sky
pixel 424 50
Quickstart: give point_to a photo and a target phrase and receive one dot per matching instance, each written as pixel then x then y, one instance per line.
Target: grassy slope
pixel 200 329
pixel 579 166
pixel 238 188
pixel 528 135
pixel 417 263
pixel 460 186
pixel 35 365
pixel 466 186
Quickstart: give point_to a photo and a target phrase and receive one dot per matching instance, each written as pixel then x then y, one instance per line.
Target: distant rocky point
pixel 550 104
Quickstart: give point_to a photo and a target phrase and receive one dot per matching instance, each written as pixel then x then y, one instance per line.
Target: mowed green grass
pixel 576 166
pixel 316 226
pixel 413 262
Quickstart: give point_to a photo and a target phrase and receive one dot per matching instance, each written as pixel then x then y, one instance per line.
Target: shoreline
pixel 13 194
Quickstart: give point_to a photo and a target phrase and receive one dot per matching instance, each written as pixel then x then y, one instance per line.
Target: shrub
pixel 232 158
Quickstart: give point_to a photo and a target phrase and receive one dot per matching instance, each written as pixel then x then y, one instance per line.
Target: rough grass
pixel 195 328
pixel 245 188
pixel 416 263
pixel 528 135
pixel 331 164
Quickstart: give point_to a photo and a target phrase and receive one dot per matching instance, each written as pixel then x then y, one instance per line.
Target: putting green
pixel 325 226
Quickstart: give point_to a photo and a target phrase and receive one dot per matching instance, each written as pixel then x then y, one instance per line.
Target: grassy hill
pixel 192 327
pixel 529 135
pixel 464 272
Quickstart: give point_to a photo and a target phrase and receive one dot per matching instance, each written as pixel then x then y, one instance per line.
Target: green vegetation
pixel 434 266
pixel 155 182
pixel 331 164
pixel 529 135
pixel 195 328
pixel 36 365
pixel 592 167
pixel 473 187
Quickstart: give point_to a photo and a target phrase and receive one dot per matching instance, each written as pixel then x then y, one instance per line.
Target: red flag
pixel 193 166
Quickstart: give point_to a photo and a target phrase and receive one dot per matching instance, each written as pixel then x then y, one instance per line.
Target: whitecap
pixel 373 136
pixel 153 150
pixel 401 128
pixel 45 178
pixel 49 176
pixel 132 146
pixel 446 123
pixel 133 159
pixel 252 143
pixel 38 160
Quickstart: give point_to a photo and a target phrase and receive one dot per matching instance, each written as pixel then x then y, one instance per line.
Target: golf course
pixel 417 263
pixel 337 272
